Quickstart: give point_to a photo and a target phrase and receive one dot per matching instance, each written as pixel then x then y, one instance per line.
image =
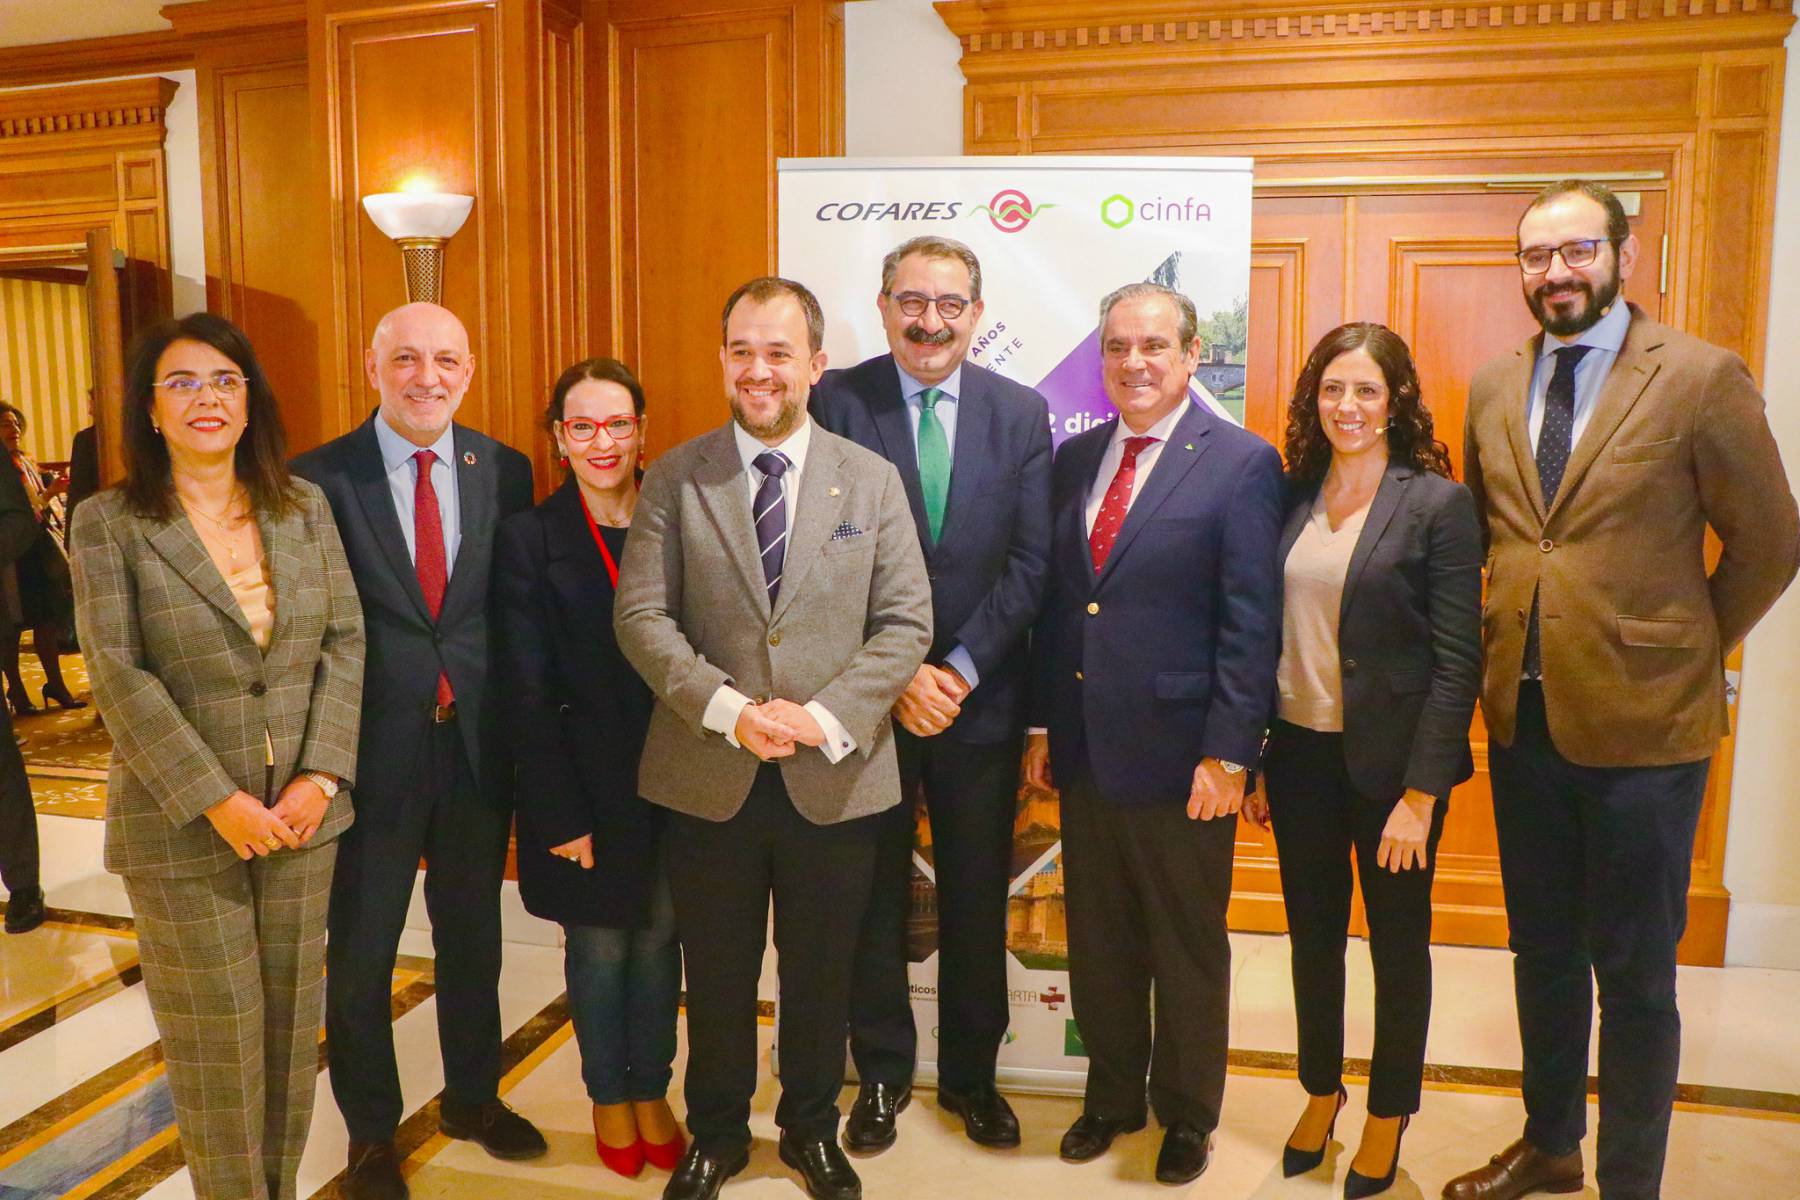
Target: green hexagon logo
pixel 1117 210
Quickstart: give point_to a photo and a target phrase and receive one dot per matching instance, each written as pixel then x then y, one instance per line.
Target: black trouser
pixel 1320 820
pixel 18 820
pixel 971 794
pixel 444 819
pixel 721 875
pixel 1147 890
pixel 1595 862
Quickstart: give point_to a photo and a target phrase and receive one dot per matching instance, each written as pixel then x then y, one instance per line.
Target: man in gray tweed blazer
pixel 774 598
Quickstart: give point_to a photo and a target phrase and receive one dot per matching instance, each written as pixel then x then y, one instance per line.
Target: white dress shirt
pixel 727 704
pixel 1605 337
pixel 403 477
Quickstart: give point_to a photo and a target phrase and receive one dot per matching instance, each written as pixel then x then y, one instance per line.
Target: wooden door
pixel 1437 267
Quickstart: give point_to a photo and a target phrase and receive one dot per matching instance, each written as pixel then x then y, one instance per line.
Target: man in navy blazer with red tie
pixel 1155 666
pixel 973 451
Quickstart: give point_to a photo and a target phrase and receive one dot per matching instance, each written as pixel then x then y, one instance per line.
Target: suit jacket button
pixel 775 638
pixel 1546 545
pixel 1078 676
pixel 1093 609
pixel 1349 666
pixel 258 688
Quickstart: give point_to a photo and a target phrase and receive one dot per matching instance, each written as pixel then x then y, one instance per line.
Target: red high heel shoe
pixel 665 1156
pixel 621 1160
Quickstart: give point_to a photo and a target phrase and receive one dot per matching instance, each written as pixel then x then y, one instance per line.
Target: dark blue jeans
pixel 624 985
pixel 1595 862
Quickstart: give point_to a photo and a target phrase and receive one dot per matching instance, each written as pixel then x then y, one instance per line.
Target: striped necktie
pixel 771 517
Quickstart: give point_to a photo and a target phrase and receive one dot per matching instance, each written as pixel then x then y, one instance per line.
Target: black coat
pixel 406 648
pixel 576 718
pixel 1409 633
pixel 987 570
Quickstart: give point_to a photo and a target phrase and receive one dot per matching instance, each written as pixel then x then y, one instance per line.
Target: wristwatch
pixel 329 786
pixel 1232 768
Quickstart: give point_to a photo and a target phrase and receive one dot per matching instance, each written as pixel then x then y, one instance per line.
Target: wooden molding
pixel 95 58
pixel 997 34
pixel 200 17
pixel 49 112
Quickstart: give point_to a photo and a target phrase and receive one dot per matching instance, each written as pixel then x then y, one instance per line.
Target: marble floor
pixel 84 1109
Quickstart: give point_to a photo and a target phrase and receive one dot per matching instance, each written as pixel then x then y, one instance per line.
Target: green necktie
pixel 934 461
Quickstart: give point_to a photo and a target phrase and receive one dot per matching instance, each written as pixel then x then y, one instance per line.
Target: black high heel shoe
pixel 1358 1185
pixel 63 699
pixel 20 703
pixel 1299 1162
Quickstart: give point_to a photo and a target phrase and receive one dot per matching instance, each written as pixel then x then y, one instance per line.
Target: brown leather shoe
pixel 1518 1170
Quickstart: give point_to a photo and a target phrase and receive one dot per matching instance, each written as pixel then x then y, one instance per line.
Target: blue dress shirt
pixel 403 476
pixel 1605 337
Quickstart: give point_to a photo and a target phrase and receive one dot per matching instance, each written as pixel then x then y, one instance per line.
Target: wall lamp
pixel 421 220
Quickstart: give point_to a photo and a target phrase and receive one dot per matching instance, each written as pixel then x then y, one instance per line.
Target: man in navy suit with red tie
pixel 973 451
pixel 1155 673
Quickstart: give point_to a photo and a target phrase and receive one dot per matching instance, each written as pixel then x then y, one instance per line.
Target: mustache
pixel 917 333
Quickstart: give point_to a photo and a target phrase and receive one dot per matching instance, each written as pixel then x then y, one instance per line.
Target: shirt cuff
pixel 838 741
pixel 723 710
pixel 1039 730
pixel 960 661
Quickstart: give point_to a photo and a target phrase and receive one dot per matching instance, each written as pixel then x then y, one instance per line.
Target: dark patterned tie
pixel 1556 438
pixel 429 557
pixel 771 518
pixel 1117 500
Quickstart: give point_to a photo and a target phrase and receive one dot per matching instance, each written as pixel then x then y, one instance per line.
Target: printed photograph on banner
pixel 1053 236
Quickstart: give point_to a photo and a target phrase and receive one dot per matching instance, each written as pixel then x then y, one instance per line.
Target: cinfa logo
pixel 1119 210
pixel 1011 210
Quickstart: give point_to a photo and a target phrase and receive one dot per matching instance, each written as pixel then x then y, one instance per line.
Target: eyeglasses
pixel 580 429
pixel 226 385
pixel 914 305
pixel 1535 260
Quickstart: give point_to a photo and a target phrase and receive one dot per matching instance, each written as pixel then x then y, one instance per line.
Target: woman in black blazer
pixel 1380 665
pixel 587 843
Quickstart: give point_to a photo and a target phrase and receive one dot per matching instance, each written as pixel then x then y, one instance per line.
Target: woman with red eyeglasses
pixel 587 843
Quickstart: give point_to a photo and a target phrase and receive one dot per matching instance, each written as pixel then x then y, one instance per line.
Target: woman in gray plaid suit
pixel 224 642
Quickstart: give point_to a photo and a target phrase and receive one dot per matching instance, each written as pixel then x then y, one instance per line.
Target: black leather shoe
pixel 1184 1154
pixel 870 1128
pixel 373 1173
pixel 987 1118
pixel 1090 1136
pixel 493 1126
pixel 25 910
pixel 700 1175
pixel 827 1174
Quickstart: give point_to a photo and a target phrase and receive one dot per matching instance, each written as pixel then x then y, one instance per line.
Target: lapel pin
pixel 469 457
pixel 1189 446
pixel 831 491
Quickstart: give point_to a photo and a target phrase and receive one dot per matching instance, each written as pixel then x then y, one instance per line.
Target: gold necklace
pixel 226 526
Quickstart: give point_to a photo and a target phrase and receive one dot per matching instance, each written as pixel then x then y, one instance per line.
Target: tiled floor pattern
pixel 84 1111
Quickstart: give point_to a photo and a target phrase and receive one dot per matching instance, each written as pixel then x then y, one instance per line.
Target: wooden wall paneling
pixel 1425 129
pixel 701 107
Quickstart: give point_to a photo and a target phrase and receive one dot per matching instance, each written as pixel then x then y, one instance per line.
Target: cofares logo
pixel 1011 210
pixel 890 210
pixel 1119 210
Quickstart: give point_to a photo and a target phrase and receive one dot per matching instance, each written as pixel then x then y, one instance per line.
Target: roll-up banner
pixel 1054 235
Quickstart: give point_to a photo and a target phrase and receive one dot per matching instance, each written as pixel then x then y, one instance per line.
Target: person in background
pixel 84 465
pixel 1380 663
pixel 225 644
pixel 19 532
pixel 589 854
pixel 41 579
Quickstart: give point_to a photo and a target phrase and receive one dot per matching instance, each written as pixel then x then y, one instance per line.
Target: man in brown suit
pixel 1599 452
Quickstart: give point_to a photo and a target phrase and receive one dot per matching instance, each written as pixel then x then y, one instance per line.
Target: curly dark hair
pixel 1409 434
pixel 261 455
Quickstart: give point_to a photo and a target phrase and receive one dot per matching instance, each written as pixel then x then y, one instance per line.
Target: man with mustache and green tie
pixel 973 450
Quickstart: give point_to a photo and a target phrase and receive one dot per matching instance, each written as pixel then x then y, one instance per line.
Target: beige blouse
pixel 1309 678
pixel 249 581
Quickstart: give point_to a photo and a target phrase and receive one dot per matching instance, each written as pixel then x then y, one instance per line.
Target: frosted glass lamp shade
pixel 418 214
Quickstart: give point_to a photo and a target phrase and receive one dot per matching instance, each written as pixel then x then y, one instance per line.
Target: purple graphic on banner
pixel 1076 395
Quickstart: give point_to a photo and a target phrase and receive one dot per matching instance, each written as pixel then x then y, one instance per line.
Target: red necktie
pixel 428 552
pixel 1118 499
